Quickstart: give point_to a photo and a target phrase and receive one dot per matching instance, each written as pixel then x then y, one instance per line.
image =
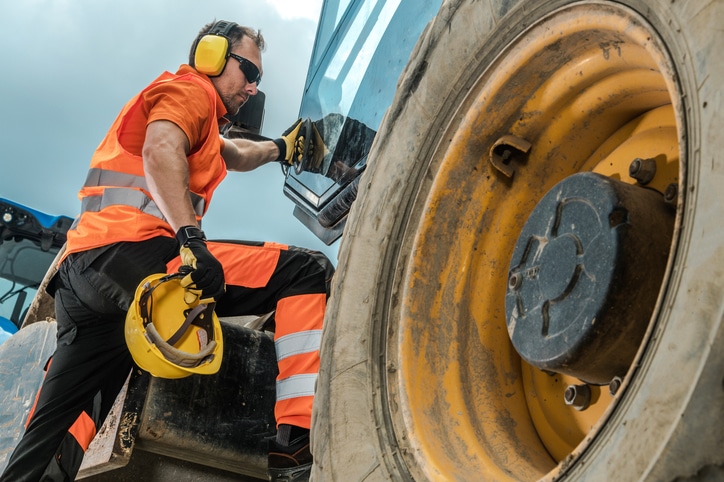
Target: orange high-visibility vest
pixel 116 204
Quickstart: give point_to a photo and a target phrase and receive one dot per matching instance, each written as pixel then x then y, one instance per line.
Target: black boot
pixel 289 457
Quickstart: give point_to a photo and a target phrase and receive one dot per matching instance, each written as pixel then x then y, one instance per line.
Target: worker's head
pixel 221 44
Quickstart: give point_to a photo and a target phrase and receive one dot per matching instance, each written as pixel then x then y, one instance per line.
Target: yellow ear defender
pixel 213 49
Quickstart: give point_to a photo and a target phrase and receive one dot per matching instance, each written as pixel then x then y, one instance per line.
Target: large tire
pixel 419 380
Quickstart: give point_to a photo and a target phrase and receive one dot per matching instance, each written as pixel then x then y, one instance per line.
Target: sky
pixel 69 66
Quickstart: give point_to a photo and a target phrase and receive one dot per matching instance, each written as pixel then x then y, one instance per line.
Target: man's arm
pixel 247 155
pixel 167 172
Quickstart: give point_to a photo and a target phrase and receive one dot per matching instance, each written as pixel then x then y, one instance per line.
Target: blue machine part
pixel 46 220
pixel 29 242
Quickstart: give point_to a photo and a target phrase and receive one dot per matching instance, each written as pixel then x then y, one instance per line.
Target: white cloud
pixel 296 9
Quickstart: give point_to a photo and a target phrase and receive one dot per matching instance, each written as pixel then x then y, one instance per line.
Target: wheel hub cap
pixel 590 246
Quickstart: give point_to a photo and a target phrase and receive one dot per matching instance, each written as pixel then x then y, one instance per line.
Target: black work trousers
pixel 91 362
pixel 94 290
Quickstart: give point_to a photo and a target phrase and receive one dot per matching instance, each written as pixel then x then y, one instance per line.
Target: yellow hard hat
pixel 168 337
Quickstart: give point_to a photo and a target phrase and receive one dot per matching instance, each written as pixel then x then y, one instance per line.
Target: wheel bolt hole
pixel 514 281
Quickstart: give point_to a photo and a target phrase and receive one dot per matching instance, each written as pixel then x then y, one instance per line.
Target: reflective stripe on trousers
pixel 297 339
pixel 304 342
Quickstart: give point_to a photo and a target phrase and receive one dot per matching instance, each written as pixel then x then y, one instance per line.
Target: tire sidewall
pixel 663 425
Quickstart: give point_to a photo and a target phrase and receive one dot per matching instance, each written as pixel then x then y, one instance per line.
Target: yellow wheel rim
pixel 589 89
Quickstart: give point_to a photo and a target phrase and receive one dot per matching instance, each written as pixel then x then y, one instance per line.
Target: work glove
pixel 290 144
pixel 301 146
pixel 205 278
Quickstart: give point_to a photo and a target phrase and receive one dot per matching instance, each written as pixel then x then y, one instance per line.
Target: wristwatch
pixel 185 233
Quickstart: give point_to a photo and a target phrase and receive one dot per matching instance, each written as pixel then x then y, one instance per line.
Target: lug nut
pixel 643 170
pixel 614 386
pixel 671 193
pixel 577 396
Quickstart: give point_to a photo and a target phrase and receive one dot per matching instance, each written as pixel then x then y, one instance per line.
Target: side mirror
pixel 249 120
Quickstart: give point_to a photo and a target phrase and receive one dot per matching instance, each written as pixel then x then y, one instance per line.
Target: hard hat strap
pixel 145 301
pixel 201 315
pixel 191 318
pixel 179 357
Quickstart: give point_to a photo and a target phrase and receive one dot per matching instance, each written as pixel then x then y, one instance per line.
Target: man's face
pixel 232 85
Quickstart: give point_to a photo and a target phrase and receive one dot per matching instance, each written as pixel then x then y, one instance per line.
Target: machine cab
pixel 359 53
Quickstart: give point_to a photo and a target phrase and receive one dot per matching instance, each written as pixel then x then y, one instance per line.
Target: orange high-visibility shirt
pixel 116 204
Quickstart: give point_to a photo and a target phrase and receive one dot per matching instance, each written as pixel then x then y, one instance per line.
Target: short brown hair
pixel 236 33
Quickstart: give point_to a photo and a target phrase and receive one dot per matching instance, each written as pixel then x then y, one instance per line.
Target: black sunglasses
pixel 250 70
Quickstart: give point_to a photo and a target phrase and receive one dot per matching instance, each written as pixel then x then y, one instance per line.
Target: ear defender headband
pixel 213 49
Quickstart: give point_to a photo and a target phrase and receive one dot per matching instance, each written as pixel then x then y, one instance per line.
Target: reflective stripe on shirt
pixel 105 177
pixel 118 194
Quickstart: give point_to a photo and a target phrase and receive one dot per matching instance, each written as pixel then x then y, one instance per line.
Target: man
pixel 150 181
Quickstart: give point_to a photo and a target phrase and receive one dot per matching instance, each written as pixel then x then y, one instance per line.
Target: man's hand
pixel 291 144
pixel 302 146
pixel 206 281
